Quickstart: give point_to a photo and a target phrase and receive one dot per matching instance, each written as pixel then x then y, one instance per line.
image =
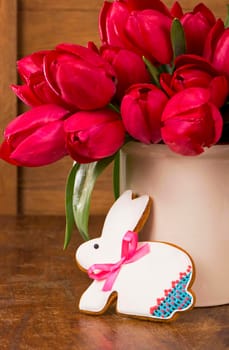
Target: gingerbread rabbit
pixel 149 279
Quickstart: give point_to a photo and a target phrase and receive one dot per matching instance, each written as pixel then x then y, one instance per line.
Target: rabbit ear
pixel 127 213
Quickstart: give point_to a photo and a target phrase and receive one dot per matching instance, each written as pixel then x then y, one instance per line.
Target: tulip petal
pixel 182 144
pixel 31 64
pixel 141 111
pixel 195 60
pixel 113 17
pixel 165 82
pixel 104 12
pixel 83 120
pixel 134 121
pixel 196 28
pixel 35 118
pixel 82 82
pixel 206 12
pixel 45 146
pixel 136 5
pixel 103 141
pixel 76 90
pixel 220 60
pixel 86 54
pixel 51 63
pixel 107 139
pixel 43 91
pixel 129 68
pixel 26 95
pixel 218 123
pixel 189 132
pixel 5 152
pixel 212 39
pixel 139 28
pixel 219 90
pixel 94 135
pixel 184 101
pixel 176 10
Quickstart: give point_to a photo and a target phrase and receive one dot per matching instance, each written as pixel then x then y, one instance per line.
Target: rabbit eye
pixel 96 246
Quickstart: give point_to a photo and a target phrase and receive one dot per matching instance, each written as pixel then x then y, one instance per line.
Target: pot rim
pixel 218 151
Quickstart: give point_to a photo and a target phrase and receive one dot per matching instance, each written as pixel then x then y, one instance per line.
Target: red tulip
pixel 93 135
pixel 141 26
pixel 80 76
pixel 195 71
pixel 36 137
pixel 176 10
pixel 36 90
pixel 191 122
pixel 141 111
pixel 31 64
pixel 136 5
pixel 72 76
pixel 217 48
pixel 197 25
pixel 129 68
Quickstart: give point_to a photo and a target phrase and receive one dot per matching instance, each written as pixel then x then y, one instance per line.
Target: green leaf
pixel 226 24
pixel 153 71
pixel 167 68
pixel 85 179
pixel 114 107
pixel 116 182
pixel 178 38
pixel 68 204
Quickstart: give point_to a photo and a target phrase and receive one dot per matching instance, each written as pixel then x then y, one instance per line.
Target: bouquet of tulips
pixel 159 76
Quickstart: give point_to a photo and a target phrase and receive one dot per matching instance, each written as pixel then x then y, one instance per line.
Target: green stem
pixel 116 182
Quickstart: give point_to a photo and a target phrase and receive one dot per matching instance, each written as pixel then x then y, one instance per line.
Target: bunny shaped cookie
pixel 149 279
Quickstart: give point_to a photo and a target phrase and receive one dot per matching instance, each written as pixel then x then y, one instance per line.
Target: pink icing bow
pixel 130 253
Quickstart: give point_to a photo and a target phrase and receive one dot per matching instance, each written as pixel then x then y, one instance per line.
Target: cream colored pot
pixel 190 208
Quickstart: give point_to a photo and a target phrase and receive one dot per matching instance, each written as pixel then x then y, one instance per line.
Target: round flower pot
pixel 190 208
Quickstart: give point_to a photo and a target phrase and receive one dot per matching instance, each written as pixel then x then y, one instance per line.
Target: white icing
pixel 141 283
pixel 138 284
pixel 93 300
pixel 124 215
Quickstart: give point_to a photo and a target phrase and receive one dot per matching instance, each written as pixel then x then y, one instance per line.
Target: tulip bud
pixel 197 25
pixel 195 71
pixel 93 135
pixel 71 76
pixel 140 26
pixel 31 64
pixel 80 76
pixel 217 48
pixel 176 10
pixel 36 90
pixel 191 122
pixel 129 68
pixel 36 137
pixel 141 111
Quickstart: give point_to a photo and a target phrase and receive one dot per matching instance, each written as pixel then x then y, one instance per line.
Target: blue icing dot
pixel 177 299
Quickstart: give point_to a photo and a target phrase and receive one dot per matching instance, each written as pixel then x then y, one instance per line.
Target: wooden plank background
pixel 8 104
pixel 41 24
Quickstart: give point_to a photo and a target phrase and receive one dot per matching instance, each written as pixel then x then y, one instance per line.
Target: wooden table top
pixel 40 287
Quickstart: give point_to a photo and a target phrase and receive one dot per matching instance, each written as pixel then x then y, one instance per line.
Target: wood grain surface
pixel 40 287
pixel 41 25
pixel 8 103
